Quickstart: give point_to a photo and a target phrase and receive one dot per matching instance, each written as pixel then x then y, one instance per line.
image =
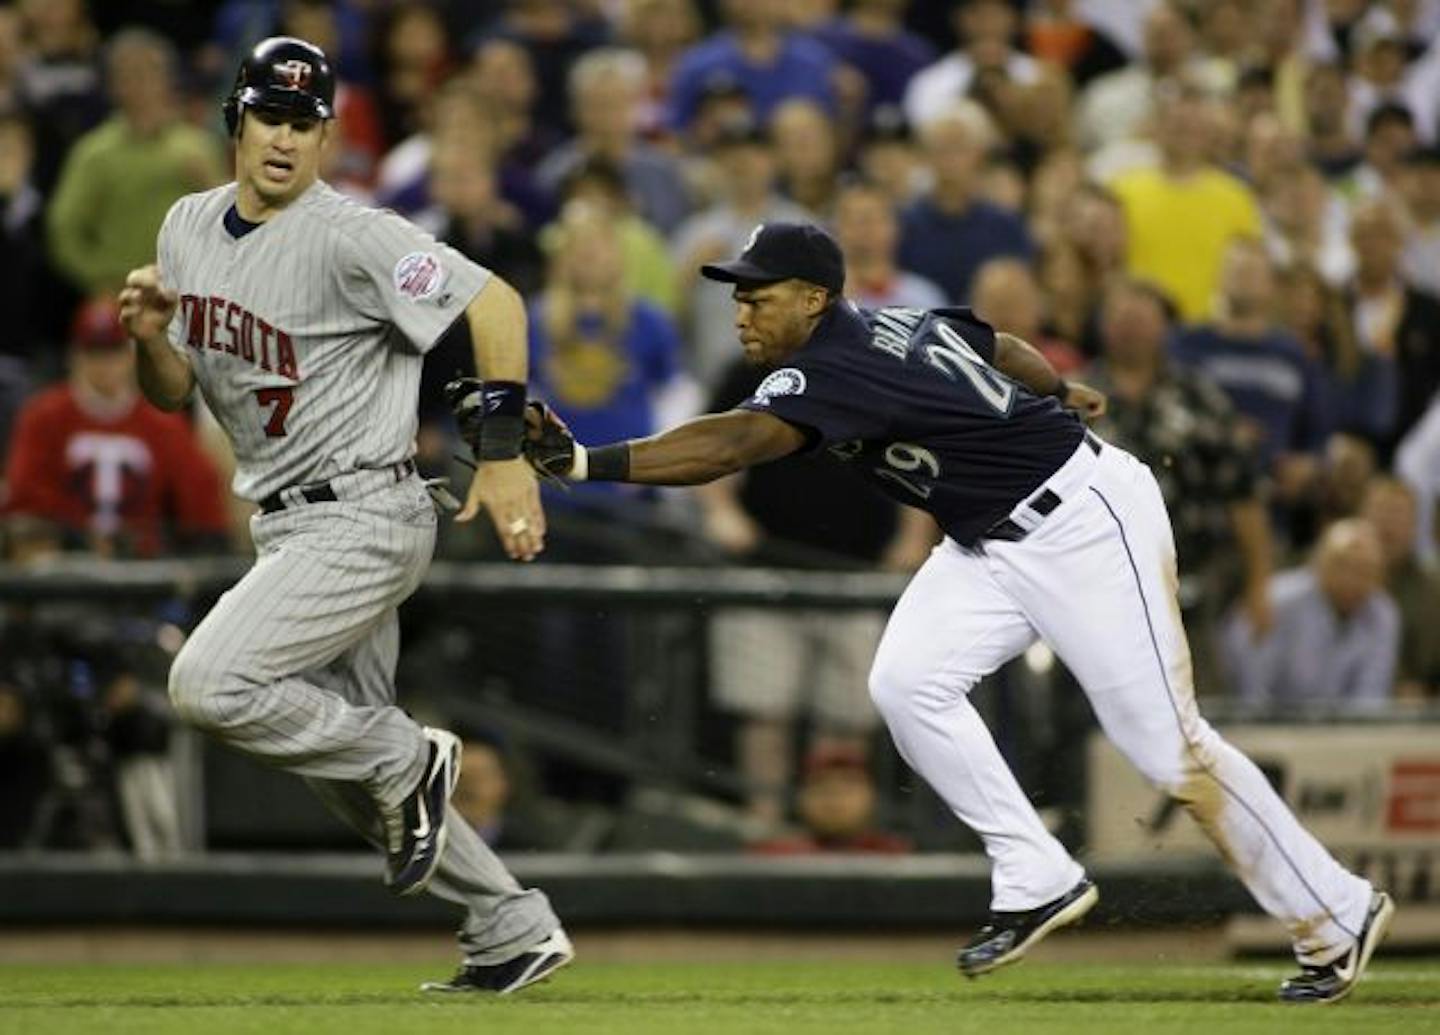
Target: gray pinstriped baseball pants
pixel 295 666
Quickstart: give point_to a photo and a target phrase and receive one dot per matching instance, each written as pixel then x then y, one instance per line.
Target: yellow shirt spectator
pixel 1179 229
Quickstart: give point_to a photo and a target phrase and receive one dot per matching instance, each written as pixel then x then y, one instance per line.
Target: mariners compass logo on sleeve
pixel 785 381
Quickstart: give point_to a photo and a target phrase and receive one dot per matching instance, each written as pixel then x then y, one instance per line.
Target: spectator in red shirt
pixel 93 466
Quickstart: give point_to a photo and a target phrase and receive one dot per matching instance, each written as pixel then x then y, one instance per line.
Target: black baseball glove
pixel 549 446
pixel 490 415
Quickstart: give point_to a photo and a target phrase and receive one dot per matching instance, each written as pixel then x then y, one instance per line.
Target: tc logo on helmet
pixel 293 74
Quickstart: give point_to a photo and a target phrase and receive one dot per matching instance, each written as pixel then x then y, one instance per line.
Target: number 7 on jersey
pixel 281 398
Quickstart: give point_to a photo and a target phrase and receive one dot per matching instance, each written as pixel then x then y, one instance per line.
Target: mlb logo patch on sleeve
pixel 418 276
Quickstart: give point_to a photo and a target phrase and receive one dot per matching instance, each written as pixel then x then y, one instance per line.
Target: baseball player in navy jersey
pixel 1050 534
pixel 303 319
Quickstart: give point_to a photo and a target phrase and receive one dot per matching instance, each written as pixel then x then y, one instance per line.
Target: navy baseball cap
pixel 782 251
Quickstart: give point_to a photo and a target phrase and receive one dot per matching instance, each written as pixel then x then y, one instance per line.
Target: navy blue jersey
pixel 908 400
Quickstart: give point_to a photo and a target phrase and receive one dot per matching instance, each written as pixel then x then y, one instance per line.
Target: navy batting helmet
pixel 285 75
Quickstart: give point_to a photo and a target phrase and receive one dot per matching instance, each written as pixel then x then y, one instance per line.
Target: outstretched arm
pixel 711 447
pixel 692 453
pixel 1017 359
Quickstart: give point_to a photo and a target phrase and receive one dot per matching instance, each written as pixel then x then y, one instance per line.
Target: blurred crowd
pixel 1225 213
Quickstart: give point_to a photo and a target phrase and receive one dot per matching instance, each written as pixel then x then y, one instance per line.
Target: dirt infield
pixel 208 945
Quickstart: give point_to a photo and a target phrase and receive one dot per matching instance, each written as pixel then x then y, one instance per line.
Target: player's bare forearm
pixel 1017 359
pixel 711 447
pixel 498 328
pixel 165 377
pixel 146 309
pixel 693 453
pixel 503 487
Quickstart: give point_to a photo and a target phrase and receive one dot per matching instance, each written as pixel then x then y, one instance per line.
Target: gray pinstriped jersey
pixel 307 334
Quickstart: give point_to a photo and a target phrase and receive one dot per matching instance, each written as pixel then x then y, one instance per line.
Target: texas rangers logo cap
pixel 784 251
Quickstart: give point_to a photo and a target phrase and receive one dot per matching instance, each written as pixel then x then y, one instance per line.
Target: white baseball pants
pixel 1096 580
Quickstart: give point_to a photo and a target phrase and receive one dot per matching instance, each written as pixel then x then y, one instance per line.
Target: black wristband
pixel 1061 390
pixel 502 423
pixel 608 463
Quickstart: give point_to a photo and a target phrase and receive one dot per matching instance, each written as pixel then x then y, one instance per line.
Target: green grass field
pixel 677 999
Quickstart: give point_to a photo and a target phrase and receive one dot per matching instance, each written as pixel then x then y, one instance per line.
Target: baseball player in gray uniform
pixel 303 318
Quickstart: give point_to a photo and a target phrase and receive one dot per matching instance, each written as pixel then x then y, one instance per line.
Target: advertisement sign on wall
pixel 1370 793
